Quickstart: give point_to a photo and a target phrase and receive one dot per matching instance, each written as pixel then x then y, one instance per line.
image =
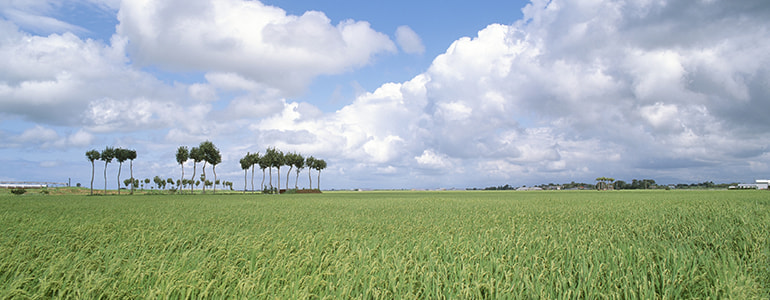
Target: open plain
pixel 388 245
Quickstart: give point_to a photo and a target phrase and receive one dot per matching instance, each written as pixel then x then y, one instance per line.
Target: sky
pixel 391 94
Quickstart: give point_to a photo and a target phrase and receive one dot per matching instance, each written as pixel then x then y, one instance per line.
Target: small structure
pixel 29 184
pixel 760 184
pixel 534 188
pixel 22 186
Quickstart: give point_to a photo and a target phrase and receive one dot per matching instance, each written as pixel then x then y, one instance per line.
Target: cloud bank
pixel 572 91
pixel 257 41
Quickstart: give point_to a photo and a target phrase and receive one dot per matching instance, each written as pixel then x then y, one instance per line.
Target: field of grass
pixel 622 244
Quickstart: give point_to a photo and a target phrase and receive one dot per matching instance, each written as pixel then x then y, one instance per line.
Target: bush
pixel 18 191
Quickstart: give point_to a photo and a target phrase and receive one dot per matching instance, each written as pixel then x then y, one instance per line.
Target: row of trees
pixel 107 155
pixel 207 153
pixel 604 183
pixel 274 158
pixel 636 184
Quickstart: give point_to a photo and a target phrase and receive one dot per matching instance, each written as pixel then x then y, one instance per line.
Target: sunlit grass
pixel 388 245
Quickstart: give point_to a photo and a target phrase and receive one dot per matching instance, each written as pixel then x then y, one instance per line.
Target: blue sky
pixel 392 94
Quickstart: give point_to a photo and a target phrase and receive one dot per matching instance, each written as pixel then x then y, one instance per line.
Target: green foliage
pixel 182 154
pixel 269 190
pixel 18 191
pixel 107 155
pixel 390 245
pixel 93 155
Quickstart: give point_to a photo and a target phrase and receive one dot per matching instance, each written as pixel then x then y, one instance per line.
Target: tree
pixel 92 155
pixel 310 162
pixel 211 156
pixel 197 156
pixel 272 159
pixel 621 185
pixel 131 157
pixel 299 163
pixel 288 160
pixel 121 155
pixel 246 165
pixel 604 183
pixel 216 158
pixel 320 164
pixel 263 164
pixel 278 160
pixel 254 160
pixel 107 155
pixel 158 181
pixel 182 155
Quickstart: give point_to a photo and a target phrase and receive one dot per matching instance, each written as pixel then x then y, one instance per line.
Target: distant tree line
pixel 636 184
pixel 604 183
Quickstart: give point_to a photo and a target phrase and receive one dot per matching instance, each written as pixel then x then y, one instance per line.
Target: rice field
pixel 388 245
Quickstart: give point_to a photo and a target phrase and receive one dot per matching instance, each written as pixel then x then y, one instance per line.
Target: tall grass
pixel 388 245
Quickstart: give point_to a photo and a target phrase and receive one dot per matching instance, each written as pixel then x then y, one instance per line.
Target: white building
pixel 760 184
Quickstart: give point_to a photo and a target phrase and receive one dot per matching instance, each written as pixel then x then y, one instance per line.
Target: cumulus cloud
pixel 44 138
pixel 257 41
pixel 409 41
pixel 575 90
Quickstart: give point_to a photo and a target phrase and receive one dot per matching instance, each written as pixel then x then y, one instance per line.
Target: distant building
pixel 534 188
pixel 22 186
pixel 760 184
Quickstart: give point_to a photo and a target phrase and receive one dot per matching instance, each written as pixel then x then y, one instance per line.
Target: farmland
pixel 640 244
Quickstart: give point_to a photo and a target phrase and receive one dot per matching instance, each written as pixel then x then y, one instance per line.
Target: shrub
pixel 18 191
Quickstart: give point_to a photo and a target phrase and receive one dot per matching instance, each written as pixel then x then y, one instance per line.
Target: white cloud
pixel 255 41
pixel 409 41
pixel 574 90
pixel 43 137
pixel 432 160
pixel 39 23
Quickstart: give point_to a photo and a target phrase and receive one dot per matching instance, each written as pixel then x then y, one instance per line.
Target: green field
pixel 391 245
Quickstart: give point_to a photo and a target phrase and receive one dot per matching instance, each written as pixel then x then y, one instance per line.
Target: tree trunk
pixel 105 178
pixel 180 180
pixel 319 180
pixel 287 178
pixel 309 179
pixel 192 183
pixel 278 183
pixel 270 172
pixel 252 179
pixel 120 167
pixel 204 177
pixel 245 172
pixel 132 176
pixel 263 179
pixel 214 169
pixel 92 177
pixel 296 180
